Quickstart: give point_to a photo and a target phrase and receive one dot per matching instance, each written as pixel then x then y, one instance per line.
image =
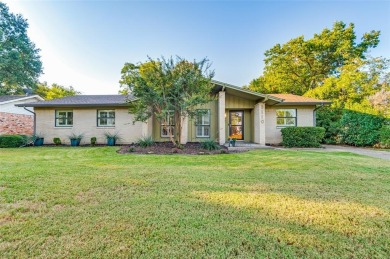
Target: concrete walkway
pixel 360 151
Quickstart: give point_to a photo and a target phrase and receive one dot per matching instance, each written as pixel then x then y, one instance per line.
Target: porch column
pixel 184 130
pixel 221 118
pixel 259 120
pixel 146 128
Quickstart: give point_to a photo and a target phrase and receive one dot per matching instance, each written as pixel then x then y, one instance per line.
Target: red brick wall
pixel 11 123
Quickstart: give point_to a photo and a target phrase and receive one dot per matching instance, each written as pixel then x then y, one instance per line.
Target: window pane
pixel 199 131
pixel 290 113
pixel 290 121
pixel 206 131
pixel 280 121
pixel 280 113
pixel 206 119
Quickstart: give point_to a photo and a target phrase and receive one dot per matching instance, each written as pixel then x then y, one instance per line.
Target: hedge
pixel 384 137
pixel 7 141
pixel 302 136
pixel 360 129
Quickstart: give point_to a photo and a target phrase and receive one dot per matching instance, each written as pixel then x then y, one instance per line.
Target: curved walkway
pixel 361 151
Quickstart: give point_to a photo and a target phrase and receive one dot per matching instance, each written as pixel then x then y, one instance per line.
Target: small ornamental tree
pixel 168 89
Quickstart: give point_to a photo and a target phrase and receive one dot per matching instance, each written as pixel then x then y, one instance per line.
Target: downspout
pixel 35 119
pixel 315 114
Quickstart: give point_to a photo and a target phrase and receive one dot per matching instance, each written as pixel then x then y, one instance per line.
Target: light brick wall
pixel 11 123
pixel 272 132
pixel 84 122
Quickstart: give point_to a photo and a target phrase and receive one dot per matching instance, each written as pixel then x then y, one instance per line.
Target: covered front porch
pixel 241 115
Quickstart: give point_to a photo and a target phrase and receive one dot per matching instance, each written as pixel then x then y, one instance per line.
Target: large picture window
pixel 64 118
pixel 168 125
pixel 106 118
pixel 203 124
pixel 286 117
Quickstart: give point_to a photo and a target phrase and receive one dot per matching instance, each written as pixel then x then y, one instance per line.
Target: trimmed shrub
pixel 302 136
pixel 209 145
pixel 93 141
pixel 329 118
pixel 7 141
pixel 57 141
pixel 360 129
pixel 384 137
pixel 145 142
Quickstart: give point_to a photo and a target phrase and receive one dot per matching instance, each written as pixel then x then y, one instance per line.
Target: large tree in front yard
pixel 20 64
pixel 168 89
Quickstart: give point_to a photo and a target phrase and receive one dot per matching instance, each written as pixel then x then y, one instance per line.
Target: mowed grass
pixel 93 202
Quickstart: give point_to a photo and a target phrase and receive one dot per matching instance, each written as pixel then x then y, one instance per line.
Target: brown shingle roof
pixel 296 99
pixel 84 101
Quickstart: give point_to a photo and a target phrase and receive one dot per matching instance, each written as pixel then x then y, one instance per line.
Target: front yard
pixel 93 202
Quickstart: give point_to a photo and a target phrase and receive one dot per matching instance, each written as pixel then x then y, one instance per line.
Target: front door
pixel 236 123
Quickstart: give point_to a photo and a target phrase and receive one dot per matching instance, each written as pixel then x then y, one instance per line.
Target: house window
pixel 64 118
pixel 106 118
pixel 168 125
pixel 203 124
pixel 286 117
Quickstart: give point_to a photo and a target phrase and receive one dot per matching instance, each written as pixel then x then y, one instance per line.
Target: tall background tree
pixel 54 91
pixel 20 64
pixel 168 89
pixel 331 65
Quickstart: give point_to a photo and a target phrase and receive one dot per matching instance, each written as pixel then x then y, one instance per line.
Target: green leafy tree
pixel 301 65
pixel 54 91
pixel 20 64
pixel 168 88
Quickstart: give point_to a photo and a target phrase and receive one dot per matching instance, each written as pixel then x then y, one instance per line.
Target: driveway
pixel 361 151
pixel 357 150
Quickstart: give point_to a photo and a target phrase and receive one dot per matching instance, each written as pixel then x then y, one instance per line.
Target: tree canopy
pixel 332 66
pixel 54 91
pixel 20 64
pixel 301 65
pixel 167 88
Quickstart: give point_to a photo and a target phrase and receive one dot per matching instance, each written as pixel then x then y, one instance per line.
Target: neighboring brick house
pixel 16 120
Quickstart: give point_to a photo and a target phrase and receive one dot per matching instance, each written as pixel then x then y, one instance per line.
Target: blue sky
pixel 86 43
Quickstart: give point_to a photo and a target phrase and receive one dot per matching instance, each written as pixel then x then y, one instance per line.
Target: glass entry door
pixel 236 125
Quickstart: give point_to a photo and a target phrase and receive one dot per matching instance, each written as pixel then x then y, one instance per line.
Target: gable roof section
pixel 13 98
pixel 84 101
pixel 244 93
pixel 291 99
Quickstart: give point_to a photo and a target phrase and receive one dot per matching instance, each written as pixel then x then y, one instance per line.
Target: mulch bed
pixel 167 148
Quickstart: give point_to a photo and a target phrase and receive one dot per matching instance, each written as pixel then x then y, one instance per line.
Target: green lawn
pixel 92 202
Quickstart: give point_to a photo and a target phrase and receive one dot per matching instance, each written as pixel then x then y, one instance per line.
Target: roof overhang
pixel 42 105
pixel 24 98
pixel 244 93
pixel 303 103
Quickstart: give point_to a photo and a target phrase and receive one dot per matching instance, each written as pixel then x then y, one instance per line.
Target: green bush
pixel 209 145
pixel 93 141
pixel 384 136
pixel 329 118
pixel 57 141
pixel 145 142
pixel 302 136
pixel 7 141
pixel 360 129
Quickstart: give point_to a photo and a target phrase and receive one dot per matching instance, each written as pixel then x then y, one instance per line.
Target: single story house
pixel 235 113
pixel 16 120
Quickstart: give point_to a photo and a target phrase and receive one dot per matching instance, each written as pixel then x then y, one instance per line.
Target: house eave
pixel 302 103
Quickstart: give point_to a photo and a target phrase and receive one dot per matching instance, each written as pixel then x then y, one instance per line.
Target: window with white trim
pixel 64 118
pixel 203 124
pixel 286 117
pixel 106 118
pixel 168 125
